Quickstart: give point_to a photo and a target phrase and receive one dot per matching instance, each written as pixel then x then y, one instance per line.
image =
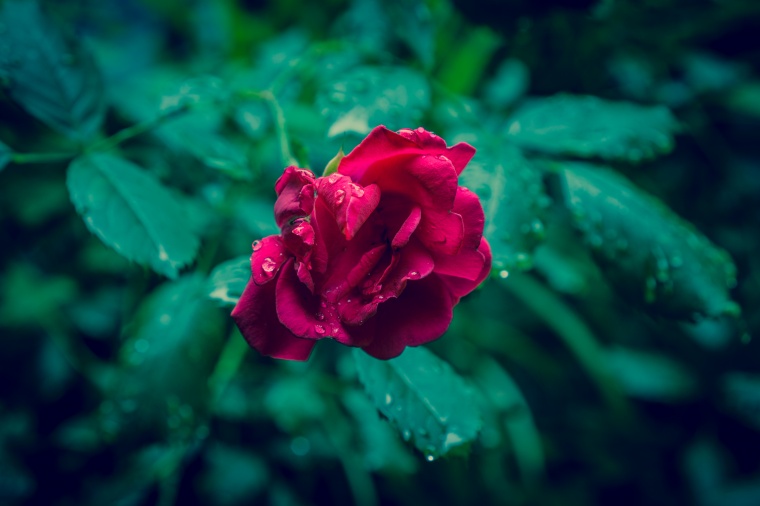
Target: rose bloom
pixel 375 255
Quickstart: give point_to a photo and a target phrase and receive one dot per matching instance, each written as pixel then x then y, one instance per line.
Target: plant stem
pixel 27 158
pixel 280 124
pixel 575 334
pixel 138 129
pixel 227 366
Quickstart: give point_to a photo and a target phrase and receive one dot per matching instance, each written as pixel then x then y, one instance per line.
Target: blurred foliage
pixel 608 360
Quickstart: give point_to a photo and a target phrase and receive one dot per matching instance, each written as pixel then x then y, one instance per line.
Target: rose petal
pixel 397 165
pixel 421 316
pixel 468 206
pixel 467 264
pixel 256 317
pixel 350 203
pixel 461 286
pixel 441 232
pixel 268 256
pixel 407 228
pixel 306 315
pixel 459 154
pixel 295 195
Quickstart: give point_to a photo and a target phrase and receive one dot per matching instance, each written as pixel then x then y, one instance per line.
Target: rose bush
pixel 375 255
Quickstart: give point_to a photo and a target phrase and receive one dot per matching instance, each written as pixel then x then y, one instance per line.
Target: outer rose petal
pixel 256 318
pixel 423 315
pixel 459 154
pixel 461 286
pixel 381 142
pixel 268 256
pixel 468 206
pixel 295 195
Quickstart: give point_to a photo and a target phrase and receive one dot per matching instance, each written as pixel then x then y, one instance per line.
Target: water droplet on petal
pixel 357 190
pixel 339 196
pixel 268 265
pixel 256 245
pixel 323 304
pixel 319 329
pixel 320 316
pixel 332 178
pixel 335 330
pixel 414 275
pixel 298 230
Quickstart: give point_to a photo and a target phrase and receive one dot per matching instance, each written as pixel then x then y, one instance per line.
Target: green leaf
pixel 650 253
pixel 54 80
pixel 423 398
pixel 5 155
pixel 368 96
pixel 508 85
pixel 649 375
pixel 173 344
pixel 332 165
pixel 514 201
pixel 505 396
pixel 228 280
pixel 588 126
pixel 130 211
pixel 382 449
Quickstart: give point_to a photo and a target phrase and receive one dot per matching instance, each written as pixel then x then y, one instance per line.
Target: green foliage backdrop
pixel 609 359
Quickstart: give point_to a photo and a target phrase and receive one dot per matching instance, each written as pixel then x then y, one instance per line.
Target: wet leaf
pixel 423 398
pixel 652 255
pixel 514 201
pixel 368 96
pixel 591 127
pixel 173 344
pixel 228 280
pixel 132 212
pixel 54 79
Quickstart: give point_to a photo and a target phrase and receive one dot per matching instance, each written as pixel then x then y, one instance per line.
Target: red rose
pixel 375 255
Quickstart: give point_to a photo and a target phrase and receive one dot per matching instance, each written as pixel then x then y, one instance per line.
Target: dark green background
pixel 114 388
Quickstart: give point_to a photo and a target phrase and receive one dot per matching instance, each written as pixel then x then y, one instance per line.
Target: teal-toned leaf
pixel 508 85
pixel 650 375
pixel 591 127
pixel 369 96
pixel 742 395
pixel 514 201
pixel 257 216
pixel 32 298
pixel 505 396
pixel 650 253
pixel 198 132
pixel 332 165
pixel 381 447
pixel 130 211
pixel 172 347
pixel 54 79
pixel 233 475
pixel 423 398
pixel 5 155
pixel 228 280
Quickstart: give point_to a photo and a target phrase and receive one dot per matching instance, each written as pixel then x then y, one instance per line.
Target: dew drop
pixel 357 190
pixel 320 316
pixel 406 434
pixel 504 274
pixel 332 178
pixel 323 304
pixel 256 245
pixel 268 265
pixel 335 330
pixel 298 230
pixel 348 300
pixel 319 329
pixel 430 457
pixel 339 196
pixel 388 399
pixel 414 275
